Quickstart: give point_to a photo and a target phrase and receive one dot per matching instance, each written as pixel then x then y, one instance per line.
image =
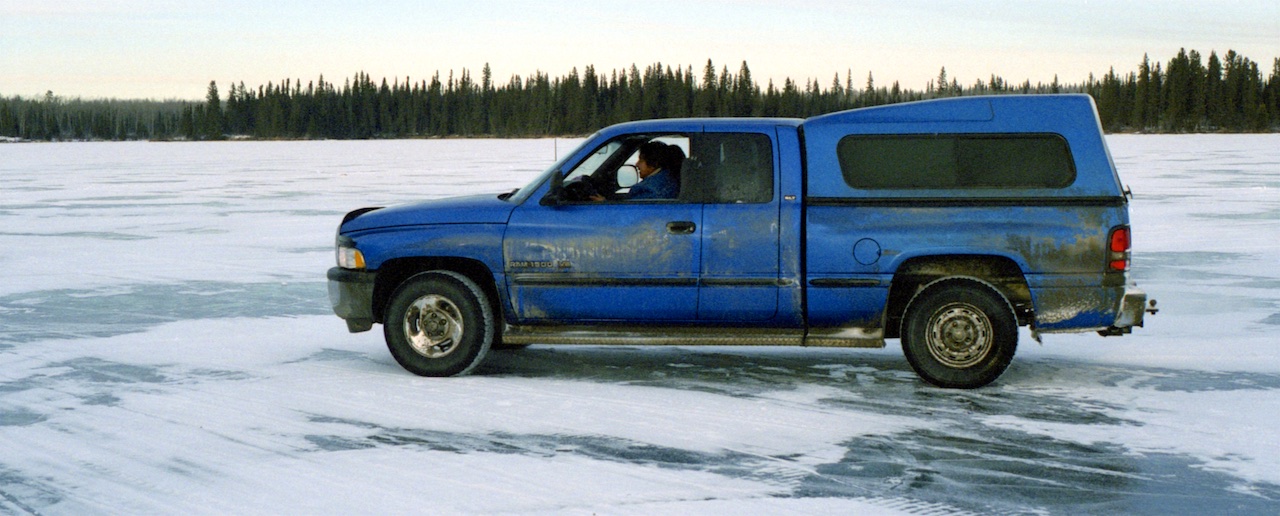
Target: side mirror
pixel 628 176
pixel 553 196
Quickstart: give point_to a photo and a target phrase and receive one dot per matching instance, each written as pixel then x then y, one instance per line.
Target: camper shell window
pixel 956 161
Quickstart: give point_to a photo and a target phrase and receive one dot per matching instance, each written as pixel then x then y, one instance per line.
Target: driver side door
pixel 598 262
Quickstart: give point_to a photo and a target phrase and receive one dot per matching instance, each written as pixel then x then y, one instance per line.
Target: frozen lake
pixel 166 346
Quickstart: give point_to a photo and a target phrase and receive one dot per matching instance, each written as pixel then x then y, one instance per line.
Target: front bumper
pixel 351 294
pixel 1133 306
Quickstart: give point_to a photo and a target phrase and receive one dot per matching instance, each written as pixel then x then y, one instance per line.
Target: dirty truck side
pixel 945 224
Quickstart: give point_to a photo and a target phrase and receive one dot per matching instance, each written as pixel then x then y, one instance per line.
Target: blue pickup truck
pixel 945 223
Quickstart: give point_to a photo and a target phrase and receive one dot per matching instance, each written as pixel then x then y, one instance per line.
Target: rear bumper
pixel 1133 307
pixel 351 294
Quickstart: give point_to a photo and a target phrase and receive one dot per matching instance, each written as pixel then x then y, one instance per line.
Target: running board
pixel 692 336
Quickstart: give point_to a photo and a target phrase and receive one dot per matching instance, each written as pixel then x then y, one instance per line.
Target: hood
pixel 475 209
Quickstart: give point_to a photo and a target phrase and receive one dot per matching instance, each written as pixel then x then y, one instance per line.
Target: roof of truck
pixel 1010 109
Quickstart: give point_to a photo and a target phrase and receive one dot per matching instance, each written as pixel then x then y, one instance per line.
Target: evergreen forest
pixel 1189 93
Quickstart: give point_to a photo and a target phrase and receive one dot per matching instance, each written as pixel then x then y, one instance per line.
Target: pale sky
pixel 172 49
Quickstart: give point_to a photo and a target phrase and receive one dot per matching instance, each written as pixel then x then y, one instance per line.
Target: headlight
pixel 350 258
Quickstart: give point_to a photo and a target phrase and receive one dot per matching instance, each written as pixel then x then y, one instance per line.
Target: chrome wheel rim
pixel 960 335
pixel 433 326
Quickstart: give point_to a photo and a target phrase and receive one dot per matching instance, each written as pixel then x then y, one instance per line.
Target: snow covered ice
pixel 166 346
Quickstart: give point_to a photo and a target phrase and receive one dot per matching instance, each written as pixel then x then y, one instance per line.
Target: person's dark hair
pixel 654 153
pixel 663 156
pixel 674 160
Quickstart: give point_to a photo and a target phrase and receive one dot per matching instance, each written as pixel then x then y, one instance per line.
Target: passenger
pixel 659 167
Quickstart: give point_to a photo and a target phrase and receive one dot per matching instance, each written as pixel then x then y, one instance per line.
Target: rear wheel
pixel 959 334
pixel 439 323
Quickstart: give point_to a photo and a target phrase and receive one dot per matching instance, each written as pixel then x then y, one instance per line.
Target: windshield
pixel 521 195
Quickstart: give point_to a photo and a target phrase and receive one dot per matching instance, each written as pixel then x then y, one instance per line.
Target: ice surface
pixel 166 347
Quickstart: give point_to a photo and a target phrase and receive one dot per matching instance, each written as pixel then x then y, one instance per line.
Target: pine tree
pixel 483 111
pixel 744 93
pixel 705 100
pixel 1140 112
pixel 869 97
pixel 1273 94
pixel 212 129
pixel 1177 94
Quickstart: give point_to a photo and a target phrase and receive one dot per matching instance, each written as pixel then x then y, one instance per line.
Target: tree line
pixel 1186 94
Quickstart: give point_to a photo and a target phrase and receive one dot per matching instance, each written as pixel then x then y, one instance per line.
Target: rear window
pixel 729 168
pixel 956 161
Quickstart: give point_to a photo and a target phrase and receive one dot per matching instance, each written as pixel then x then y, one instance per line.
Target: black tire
pixel 959 334
pixel 439 323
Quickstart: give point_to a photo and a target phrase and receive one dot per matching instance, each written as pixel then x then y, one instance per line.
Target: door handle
pixel 681 227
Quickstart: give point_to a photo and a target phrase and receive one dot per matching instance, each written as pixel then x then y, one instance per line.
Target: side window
pixel 680 141
pixel 728 168
pixel 1015 161
pixel 610 173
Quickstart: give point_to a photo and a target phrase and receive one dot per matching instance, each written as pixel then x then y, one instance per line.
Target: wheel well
pixel 394 272
pixel 913 275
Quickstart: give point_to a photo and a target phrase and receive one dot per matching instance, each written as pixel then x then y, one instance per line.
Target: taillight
pixel 1118 249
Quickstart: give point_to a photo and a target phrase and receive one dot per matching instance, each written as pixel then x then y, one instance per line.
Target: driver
pixel 658 166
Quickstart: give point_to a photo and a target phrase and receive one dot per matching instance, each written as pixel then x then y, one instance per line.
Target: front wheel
pixel 439 323
pixel 959 334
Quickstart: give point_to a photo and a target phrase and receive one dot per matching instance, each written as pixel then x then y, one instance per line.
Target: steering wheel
pixel 579 189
